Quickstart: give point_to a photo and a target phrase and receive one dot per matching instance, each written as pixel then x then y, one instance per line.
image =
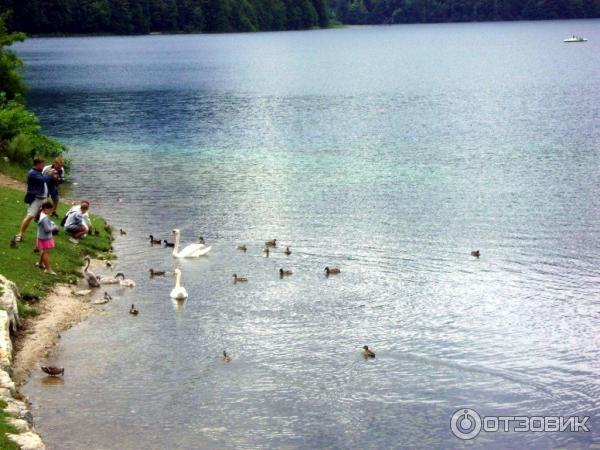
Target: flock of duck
pixel 179 292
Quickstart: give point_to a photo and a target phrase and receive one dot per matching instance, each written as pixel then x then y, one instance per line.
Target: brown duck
pixel 368 353
pixel 53 371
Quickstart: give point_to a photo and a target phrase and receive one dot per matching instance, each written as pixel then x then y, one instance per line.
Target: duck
pixel 53 371
pixel 225 358
pixel 287 251
pixel 107 296
pixel 237 279
pixel 108 228
pixel 154 241
pixel 178 292
pixel 475 253
pixel 242 247
pixel 190 251
pixel 125 282
pixel 122 232
pixel 90 277
pixel 283 273
pixel 201 240
pixel 133 311
pixel 271 243
pixel 168 244
pixel 13 242
pixel 368 353
pixel 156 273
pixel 331 270
pixel 108 264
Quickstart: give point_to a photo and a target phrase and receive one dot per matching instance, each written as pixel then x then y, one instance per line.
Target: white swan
pixel 191 251
pixel 125 282
pixel 108 280
pixel 178 292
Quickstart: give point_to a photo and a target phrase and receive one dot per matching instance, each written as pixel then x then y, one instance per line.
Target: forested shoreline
pixel 146 16
pixel 221 16
pixel 424 11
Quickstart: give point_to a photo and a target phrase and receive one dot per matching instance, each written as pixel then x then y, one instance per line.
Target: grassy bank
pixel 17 264
pixel 5 444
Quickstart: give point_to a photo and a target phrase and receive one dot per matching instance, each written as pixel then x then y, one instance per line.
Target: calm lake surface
pixel 389 152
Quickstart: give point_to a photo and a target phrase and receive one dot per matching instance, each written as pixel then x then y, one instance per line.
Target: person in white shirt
pixel 77 221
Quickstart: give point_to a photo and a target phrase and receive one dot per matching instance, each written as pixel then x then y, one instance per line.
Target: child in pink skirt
pixel 45 237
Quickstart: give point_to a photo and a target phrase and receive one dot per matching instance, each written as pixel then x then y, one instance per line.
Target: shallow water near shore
pixel 390 152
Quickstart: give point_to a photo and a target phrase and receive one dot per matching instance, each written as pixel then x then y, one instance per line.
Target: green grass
pixel 66 259
pixel 15 171
pixel 5 444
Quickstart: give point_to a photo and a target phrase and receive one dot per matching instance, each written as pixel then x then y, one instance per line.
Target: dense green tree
pixel 12 86
pixel 20 131
pixel 143 16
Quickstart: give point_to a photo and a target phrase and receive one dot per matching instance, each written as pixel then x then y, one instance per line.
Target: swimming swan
pixel 90 277
pixel 125 282
pixel 178 292
pixel 191 251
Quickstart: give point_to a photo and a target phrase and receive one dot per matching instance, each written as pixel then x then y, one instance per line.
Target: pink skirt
pixel 45 244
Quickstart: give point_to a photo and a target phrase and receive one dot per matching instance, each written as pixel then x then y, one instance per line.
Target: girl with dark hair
pixel 45 237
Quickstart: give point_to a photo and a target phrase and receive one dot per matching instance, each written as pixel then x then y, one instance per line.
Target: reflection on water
pixel 390 152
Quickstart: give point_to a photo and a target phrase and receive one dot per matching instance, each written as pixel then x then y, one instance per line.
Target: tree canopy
pixel 144 16
pixel 20 131
pixel 410 11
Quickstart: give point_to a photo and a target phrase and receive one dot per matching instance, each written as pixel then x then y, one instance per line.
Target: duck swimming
pixel 283 273
pixel 475 253
pixel 368 353
pixel 154 241
pixel 156 273
pixel 241 247
pixel 225 358
pixel 133 311
pixel 331 270
pixel 287 251
pixel 53 371
pixel 271 243
pixel 237 279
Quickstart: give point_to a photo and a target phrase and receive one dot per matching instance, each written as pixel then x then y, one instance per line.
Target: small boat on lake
pixel 574 38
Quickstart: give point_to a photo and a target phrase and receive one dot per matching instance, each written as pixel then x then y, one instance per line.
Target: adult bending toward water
pixel 37 193
pixel 77 221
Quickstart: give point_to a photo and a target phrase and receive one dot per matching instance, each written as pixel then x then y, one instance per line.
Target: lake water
pixel 390 152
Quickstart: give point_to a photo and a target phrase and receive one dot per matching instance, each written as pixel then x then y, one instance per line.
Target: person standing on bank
pixel 59 178
pixel 45 238
pixel 37 193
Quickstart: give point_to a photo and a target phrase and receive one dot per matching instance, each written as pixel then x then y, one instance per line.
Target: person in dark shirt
pixel 59 168
pixel 37 193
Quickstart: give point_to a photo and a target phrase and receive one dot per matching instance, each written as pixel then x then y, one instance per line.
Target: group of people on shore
pixel 42 199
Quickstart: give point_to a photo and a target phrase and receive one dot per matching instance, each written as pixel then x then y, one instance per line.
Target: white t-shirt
pixel 86 216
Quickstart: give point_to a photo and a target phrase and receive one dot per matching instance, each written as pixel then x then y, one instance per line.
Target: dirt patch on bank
pixel 7 181
pixel 59 311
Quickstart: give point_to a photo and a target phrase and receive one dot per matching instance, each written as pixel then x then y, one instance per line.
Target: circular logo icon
pixel 465 424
